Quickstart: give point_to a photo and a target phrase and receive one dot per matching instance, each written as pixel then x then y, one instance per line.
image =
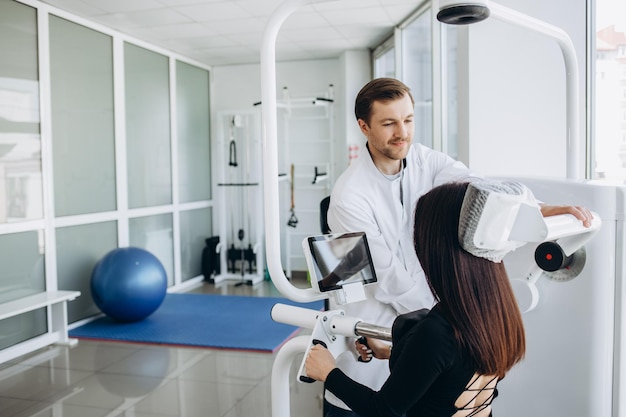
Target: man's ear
pixel 365 129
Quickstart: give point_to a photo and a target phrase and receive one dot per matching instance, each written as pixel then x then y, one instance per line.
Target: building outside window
pixel 610 91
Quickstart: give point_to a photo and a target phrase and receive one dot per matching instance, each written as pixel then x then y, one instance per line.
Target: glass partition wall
pixel 104 143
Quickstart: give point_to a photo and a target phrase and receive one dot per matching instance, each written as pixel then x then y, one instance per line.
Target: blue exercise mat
pixel 202 320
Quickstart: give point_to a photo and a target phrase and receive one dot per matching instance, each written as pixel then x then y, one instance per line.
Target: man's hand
pixel 581 213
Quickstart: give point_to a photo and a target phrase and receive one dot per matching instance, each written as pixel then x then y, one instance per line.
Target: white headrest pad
pixel 487 217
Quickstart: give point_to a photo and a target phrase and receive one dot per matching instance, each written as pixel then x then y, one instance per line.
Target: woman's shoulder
pixel 424 322
pixel 431 338
pixel 433 328
pixel 405 322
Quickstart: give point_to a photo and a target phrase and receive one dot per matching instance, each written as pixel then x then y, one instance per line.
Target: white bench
pixel 56 302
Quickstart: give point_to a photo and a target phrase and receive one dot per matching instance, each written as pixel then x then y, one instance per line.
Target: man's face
pixel 390 131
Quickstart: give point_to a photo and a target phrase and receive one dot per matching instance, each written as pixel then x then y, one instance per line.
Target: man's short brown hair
pixel 379 89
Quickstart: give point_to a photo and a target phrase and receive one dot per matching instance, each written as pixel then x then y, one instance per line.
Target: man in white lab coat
pixel 377 194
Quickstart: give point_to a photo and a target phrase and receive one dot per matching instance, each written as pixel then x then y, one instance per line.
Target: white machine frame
pixel 270 131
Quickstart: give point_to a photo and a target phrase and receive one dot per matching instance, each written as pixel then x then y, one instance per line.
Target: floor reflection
pixel 98 379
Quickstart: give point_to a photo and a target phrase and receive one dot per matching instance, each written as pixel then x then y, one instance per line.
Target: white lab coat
pixel 363 199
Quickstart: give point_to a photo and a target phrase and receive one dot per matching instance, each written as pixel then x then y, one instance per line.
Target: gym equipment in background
pixel 210 259
pixel 305 138
pixel 128 284
pixel 238 249
pixel 293 220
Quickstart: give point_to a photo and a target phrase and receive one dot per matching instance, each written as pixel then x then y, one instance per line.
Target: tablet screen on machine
pixel 339 259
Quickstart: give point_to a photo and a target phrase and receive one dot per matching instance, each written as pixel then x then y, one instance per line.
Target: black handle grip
pixel 363 341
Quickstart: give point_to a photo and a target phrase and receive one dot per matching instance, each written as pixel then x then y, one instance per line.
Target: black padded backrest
pixel 325 230
pixel 323 215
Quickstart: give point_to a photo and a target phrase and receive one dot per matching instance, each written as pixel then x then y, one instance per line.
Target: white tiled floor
pixel 96 379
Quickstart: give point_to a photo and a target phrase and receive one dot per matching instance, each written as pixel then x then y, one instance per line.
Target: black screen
pixel 340 259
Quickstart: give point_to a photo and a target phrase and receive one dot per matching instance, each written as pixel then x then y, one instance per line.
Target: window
pixel 609 93
pixel 21 194
pixel 417 61
pixel 385 59
pixel 21 197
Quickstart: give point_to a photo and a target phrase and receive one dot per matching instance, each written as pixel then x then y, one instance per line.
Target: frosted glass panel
pixel 21 274
pixel 79 248
pixel 418 57
pixel 147 127
pixel 195 227
pixel 20 142
pixel 194 156
pixel 154 234
pixel 81 63
pixel 22 260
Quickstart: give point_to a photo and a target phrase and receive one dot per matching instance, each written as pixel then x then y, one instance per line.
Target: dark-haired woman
pixel 448 362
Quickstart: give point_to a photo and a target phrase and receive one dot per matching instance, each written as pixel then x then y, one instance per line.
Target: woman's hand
pixel 377 348
pixel 319 363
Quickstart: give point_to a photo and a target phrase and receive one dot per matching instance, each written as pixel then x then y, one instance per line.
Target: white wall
pixel 513 81
pixel 356 73
pixel 238 87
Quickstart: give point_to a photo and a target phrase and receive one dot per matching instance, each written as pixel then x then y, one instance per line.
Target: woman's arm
pixel 426 354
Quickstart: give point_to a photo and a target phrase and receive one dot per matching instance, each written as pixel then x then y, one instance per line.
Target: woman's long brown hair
pixel 473 293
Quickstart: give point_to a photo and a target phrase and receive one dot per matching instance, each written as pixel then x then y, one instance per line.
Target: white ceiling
pixel 224 32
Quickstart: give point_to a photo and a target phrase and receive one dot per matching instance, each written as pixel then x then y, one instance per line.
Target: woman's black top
pixel 428 373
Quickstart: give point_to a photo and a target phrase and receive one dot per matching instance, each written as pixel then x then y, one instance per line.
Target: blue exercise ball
pixel 128 284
